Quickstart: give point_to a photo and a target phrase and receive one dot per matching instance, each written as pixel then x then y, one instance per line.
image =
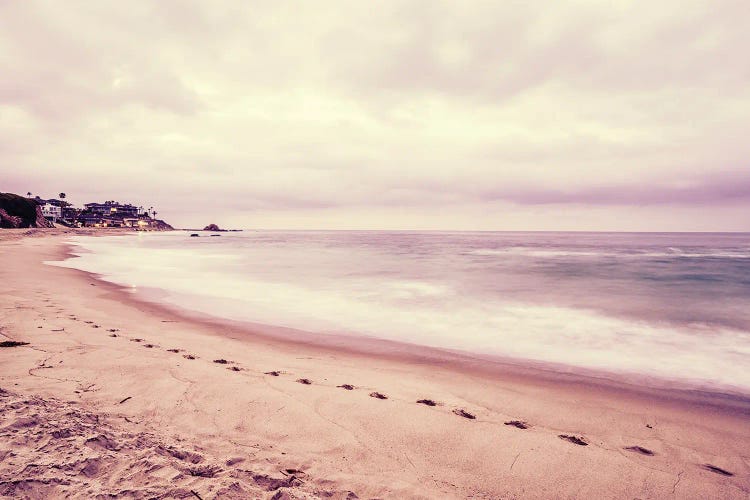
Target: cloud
pixel 292 110
pixel 66 64
pixel 723 188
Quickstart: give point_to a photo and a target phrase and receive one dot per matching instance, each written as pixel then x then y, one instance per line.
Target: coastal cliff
pixel 19 212
pixel 160 225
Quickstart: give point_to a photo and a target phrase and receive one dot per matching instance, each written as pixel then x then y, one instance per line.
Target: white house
pixel 51 212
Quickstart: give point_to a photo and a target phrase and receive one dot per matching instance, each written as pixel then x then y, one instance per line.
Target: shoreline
pixel 345 439
pixel 645 386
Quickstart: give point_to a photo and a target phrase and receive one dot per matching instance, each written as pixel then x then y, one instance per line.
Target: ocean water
pixel 671 306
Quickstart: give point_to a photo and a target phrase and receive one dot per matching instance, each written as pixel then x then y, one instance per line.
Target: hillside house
pixel 69 213
pixel 51 212
pixel 113 209
pixel 90 219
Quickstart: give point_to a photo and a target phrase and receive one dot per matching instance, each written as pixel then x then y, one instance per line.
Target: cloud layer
pixel 515 115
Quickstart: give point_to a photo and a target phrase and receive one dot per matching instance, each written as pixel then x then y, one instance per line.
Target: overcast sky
pixel 603 115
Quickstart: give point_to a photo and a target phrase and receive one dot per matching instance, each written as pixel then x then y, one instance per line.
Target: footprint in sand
pixel 641 450
pixel 348 387
pixel 113 335
pixel 188 356
pixel 304 381
pixel 174 350
pixel 235 368
pixel 222 361
pixel 427 402
pixel 520 424
pixel 573 439
pixel 150 346
pixel 203 470
pixel 293 475
pixel 463 413
pixel 273 374
pixel 12 343
pixel 113 330
pixel 377 395
pixel 717 470
pixel 136 340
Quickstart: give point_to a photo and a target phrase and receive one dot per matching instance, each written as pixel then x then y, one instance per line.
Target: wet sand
pixel 113 396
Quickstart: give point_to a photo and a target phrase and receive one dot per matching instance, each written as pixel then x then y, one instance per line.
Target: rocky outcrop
pixel 160 225
pixel 8 221
pixel 212 227
pixel 40 220
pixel 18 212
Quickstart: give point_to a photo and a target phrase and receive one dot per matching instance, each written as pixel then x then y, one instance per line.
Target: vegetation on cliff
pixel 17 211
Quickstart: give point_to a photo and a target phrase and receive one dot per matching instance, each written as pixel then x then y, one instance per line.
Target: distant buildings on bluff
pixel 107 214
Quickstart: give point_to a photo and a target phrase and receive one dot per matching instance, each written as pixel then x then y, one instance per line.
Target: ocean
pixel 672 307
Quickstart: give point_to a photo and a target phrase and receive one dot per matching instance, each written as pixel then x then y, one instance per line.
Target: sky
pixel 566 115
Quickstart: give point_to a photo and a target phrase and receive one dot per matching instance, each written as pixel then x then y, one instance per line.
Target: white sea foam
pixel 671 252
pixel 291 286
pixel 534 252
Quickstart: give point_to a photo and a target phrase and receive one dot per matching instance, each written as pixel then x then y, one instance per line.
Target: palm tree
pixel 28 194
pixel 62 196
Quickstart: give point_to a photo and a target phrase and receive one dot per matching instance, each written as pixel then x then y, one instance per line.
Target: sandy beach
pixel 116 397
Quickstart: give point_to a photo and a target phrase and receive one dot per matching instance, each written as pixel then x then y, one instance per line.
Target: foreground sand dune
pixel 116 397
